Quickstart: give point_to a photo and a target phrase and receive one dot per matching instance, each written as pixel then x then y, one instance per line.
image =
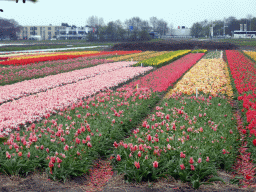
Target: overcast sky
pixel 76 12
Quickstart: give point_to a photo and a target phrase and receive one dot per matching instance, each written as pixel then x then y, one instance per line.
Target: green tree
pixel 196 30
pixel 120 31
pixel 253 23
pixel 233 24
pixel 101 33
pixel 90 36
pixel 110 31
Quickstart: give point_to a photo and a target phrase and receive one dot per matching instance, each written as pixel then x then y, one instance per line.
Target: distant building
pixel 46 32
pixel 49 32
pixel 181 32
pixel 244 34
pixel 73 33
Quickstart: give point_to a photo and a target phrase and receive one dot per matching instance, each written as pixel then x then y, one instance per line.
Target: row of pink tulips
pixel 21 89
pixel 35 107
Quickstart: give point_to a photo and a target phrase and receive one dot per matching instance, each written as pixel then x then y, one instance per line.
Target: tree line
pixel 202 29
pixel 133 29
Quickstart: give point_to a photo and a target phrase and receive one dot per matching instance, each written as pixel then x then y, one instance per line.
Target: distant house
pixel 181 32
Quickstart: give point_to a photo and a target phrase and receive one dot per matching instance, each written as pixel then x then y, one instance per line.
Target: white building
pixel 49 32
pixel 73 33
pixel 244 34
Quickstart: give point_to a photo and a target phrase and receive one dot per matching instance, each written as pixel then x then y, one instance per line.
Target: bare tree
pixel 162 27
pixel 153 21
pixel 93 21
pixel 101 22
pixel 145 26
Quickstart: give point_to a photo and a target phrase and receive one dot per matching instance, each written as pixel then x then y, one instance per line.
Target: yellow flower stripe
pixel 199 51
pixel 147 56
pixel 53 54
pixel 163 58
pixel 131 56
pixel 252 54
pixel 208 76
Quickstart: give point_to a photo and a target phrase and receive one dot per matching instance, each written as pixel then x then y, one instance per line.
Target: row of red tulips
pixel 243 71
pixel 61 57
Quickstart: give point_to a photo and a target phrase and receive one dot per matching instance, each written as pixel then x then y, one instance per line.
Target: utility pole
pixel 246 27
pixel 211 30
pixel 224 28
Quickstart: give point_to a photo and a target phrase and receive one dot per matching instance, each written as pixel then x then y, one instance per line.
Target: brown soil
pixel 39 182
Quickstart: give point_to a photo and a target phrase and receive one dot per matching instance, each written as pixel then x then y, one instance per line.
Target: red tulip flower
pixel 155 164
pixel 137 164
pixel 191 160
pixel 118 158
pixel 182 167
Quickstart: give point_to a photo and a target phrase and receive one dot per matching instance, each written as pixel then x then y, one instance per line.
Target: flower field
pixel 173 116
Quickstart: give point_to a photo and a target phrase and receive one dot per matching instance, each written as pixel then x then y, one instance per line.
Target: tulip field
pixel 153 114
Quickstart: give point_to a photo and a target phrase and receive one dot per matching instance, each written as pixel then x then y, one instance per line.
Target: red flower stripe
pixel 244 73
pixel 4 58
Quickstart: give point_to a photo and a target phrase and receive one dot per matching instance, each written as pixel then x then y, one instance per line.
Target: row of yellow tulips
pixel 131 56
pixel 210 76
pixel 163 59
